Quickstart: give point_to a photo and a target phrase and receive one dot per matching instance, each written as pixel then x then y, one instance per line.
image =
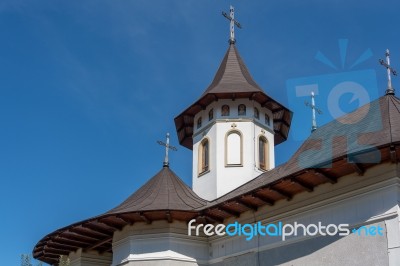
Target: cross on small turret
pixel 314 109
pixel 390 70
pixel 167 147
pixel 233 22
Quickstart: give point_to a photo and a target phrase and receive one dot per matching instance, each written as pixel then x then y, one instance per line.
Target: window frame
pixel 202 168
pixel 240 134
pixel 229 110
pixel 263 165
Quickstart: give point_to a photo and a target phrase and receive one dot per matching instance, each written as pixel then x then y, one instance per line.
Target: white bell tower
pixel 233 142
pixel 232 129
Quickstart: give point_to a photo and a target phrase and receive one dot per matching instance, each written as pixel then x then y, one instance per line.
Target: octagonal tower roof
pixel 233 81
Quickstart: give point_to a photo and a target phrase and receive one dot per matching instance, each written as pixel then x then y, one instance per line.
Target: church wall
pixel 205 185
pixel 231 177
pixel 164 262
pixel 160 243
pixel 222 177
pixel 350 250
pixel 90 258
pixel 371 199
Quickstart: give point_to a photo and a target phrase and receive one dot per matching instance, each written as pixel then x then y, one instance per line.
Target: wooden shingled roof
pixel 354 143
pixel 164 197
pixel 233 81
pixel 165 191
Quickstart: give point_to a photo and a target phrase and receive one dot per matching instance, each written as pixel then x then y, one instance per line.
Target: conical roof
pixel 164 197
pixel 164 191
pixel 232 76
pixel 233 81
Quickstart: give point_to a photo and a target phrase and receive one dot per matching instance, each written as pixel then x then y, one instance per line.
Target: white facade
pixel 368 200
pixel 233 152
pixel 161 243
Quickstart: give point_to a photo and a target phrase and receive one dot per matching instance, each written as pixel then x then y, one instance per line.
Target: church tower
pixel 232 129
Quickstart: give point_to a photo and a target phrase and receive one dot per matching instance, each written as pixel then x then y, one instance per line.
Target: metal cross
pixel 390 70
pixel 167 147
pixel 233 22
pixel 314 109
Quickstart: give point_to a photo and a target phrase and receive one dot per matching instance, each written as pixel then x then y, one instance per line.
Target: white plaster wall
pixel 159 242
pixel 221 178
pixel 356 200
pixel 205 185
pixel 372 199
pixel 231 177
pixel 90 258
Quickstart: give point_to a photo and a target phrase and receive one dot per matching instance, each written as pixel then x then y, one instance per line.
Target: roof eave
pixel 282 115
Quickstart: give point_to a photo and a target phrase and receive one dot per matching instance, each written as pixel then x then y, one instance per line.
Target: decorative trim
pixel 203 173
pixel 238 132
pixel 200 157
pixel 266 153
pixel 209 125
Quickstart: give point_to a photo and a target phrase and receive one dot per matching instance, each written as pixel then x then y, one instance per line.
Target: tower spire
pixel 314 110
pixel 390 70
pixel 233 22
pixel 167 147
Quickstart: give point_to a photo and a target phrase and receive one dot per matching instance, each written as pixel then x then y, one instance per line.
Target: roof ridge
pixel 390 99
pixel 243 68
pixel 132 201
pixel 189 192
pixel 232 70
pixel 159 179
pixel 395 101
pixel 167 185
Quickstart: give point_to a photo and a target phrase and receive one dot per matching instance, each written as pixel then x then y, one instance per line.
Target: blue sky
pixel 88 87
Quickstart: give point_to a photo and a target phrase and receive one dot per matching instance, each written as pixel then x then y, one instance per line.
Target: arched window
pixel 199 122
pixel 211 115
pixel 204 156
pixel 267 119
pixel 263 151
pixel 225 110
pixel 233 148
pixel 242 109
pixel 256 113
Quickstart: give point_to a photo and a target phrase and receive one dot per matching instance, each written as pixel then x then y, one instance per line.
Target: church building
pixel 344 179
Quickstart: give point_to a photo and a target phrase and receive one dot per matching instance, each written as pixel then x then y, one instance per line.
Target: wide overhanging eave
pixel 184 122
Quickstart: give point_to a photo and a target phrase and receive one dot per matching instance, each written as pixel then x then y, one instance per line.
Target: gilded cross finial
pixel 390 70
pixel 233 22
pixel 314 110
pixel 167 147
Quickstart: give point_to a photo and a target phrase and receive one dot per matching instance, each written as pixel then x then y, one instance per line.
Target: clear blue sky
pixel 88 87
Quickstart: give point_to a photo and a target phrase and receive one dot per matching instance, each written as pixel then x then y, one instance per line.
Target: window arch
pixel 267 120
pixel 204 156
pixel 242 109
pixel 263 153
pixel 256 113
pixel 211 115
pixel 233 148
pixel 225 110
pixel 199 121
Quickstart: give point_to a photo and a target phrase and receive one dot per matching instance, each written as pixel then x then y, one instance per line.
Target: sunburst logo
pixel 335 94
pixel 343 44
